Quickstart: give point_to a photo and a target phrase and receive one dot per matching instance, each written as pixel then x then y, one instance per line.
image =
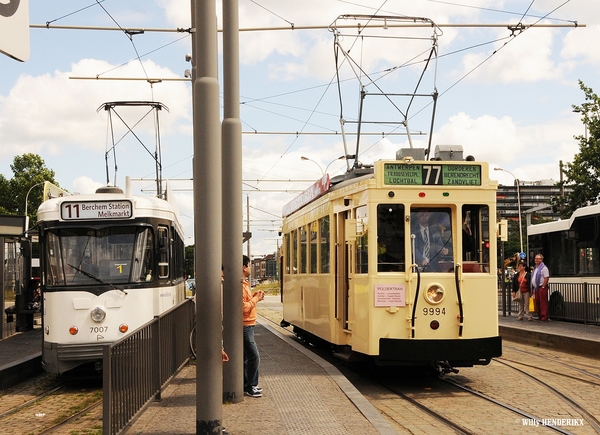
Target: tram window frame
pixel 442 251
pixel 477 216
pixel 293 251
pixel 362 239
pixel 286 247
pixel 390 237
pixel 303 242
pixel 163 252
pixel 325 238
pixel 313 246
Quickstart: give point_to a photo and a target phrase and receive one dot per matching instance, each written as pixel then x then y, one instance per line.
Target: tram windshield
pixel 86 256
pixel 432 231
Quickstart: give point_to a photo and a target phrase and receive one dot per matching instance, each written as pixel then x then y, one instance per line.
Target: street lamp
pixel 518 204
pixel 320 168
pixel 339 158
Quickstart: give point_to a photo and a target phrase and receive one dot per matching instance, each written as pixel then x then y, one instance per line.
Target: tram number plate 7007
pixel 434 311
pixel 98 329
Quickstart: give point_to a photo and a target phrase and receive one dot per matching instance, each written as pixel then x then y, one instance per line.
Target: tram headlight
pixel 98 314
pixel 434 294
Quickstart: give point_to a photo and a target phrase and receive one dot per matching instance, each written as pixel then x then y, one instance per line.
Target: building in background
pixel 535 195
pixel 265 268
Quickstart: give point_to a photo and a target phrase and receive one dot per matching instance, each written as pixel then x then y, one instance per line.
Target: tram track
pixel 575 366
pixel 47 404
pixel 589 417
pixel 493 384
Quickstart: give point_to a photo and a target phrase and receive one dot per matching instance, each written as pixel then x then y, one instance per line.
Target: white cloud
pixel 84 185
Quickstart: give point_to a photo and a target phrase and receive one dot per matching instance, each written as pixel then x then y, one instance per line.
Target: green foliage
pixel 583 174
pixel 29 174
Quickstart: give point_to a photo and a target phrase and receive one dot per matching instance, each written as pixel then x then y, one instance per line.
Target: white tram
pixel 353 273
pixel 110 262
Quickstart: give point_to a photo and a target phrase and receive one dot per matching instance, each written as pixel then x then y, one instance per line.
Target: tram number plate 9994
pixel 97 329
pixel 434 311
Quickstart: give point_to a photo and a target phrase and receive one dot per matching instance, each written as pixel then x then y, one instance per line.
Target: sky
pixel 505 96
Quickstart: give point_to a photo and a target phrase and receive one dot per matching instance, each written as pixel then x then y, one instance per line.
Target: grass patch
pixel 270 289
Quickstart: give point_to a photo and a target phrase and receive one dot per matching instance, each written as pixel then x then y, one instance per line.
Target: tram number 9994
pixel 97 329
pixel 434 311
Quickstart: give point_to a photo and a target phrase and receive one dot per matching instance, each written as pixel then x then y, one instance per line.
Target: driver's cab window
pixel 432 244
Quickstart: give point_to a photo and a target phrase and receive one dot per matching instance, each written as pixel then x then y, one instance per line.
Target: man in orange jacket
pixel 251 355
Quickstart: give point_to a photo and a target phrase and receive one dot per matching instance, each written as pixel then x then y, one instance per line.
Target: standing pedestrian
pixel 251 355
pixel 539 287
pixel 520 290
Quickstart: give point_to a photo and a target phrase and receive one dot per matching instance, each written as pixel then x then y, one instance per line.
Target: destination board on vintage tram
pixel 402 174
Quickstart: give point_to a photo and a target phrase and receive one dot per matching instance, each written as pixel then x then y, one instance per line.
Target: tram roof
pixel 143 206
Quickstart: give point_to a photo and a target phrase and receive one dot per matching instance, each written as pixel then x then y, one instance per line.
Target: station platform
pixel 302 393
pixel 20 357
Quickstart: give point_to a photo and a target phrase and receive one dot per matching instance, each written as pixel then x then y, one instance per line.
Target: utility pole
pixel 233 340
pixel 207 216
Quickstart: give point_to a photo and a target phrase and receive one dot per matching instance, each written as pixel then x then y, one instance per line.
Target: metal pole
pixel 233 371
pixel 248 224
pixel 519 207
pixel 518 204
pixel 207 216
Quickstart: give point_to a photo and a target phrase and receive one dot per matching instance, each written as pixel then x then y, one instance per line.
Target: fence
pixel 137 367
pixel 574 302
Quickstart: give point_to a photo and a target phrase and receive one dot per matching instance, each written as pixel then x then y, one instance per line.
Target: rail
pixel 572 302
pixel 138 367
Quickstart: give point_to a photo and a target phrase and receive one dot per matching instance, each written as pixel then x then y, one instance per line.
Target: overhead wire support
pixel 156 156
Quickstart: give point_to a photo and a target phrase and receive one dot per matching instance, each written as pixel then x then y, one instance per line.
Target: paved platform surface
pixel 302 394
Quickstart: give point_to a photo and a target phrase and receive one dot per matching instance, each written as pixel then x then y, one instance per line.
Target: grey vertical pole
pixel 248 225
pixel 207 217
pixel 233 371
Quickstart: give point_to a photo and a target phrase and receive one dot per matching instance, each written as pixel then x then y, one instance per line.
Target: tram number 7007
pixel 434 311
pixel 97 329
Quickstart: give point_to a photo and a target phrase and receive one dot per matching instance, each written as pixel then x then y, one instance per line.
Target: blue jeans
pixel 251 359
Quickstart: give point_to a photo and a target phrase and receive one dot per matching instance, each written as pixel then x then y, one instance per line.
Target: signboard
pixel 317 189
pixel 390 295
pixel 431 174
pixel 96 210
pixel 14 29
pixel 52 191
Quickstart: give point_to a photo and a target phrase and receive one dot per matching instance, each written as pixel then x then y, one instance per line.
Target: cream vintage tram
pixel 110 262
pixel 352 269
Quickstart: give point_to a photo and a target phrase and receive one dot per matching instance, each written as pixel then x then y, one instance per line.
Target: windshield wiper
pixel 95 278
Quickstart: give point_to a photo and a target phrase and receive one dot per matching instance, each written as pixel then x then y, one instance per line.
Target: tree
pixel 29 173
pixel 583 174
pixel 189 261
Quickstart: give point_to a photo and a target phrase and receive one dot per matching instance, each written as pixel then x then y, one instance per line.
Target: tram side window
pixel 287 246
pixel 303 249
pixel 163 252
pixel 294 251
pixel 362 239
pixel 313 246
pixel 325 240
pixel 390 238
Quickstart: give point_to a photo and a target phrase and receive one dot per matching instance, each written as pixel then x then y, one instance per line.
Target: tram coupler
pixel 444 368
